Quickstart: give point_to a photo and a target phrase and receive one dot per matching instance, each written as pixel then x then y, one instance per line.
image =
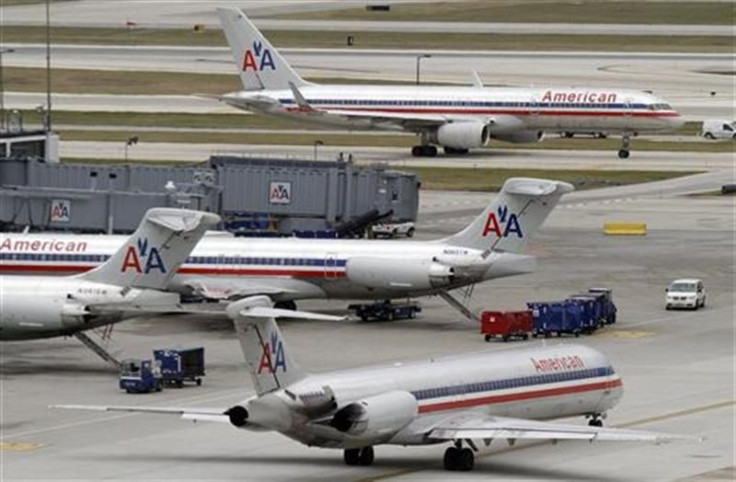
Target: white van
pixel 685 293
pixel 718 129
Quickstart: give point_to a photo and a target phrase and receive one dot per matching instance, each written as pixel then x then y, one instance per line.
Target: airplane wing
pixel 478 426
pixel 239 286
pixel 194 414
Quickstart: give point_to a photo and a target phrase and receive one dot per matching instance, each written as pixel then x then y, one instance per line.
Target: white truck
pixel 718 129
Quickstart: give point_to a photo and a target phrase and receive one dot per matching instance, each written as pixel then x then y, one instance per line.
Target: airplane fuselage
pixel 537 383
pixel 506 109
pixel 291 268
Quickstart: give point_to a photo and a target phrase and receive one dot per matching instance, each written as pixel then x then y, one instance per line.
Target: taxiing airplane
pixel 288 269
pixel 463 399
pixel 456 118
pixel 130 282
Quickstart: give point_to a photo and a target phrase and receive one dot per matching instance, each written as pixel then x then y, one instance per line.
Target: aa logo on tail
pixel 272 356
pixel 258 58
pixel 502 223
pixel 141 259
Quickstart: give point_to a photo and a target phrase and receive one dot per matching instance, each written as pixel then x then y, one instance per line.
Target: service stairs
pixel 459 305
pixel 101 351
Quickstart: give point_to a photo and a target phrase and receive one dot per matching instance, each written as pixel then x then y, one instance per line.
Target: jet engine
pixel 377 417
pixel 520 137
pixel 380 273
pixel 462 135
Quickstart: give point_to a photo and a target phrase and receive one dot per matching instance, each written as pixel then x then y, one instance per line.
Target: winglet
pixel 477 81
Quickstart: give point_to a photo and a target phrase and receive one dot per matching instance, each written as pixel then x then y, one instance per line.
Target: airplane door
pixel 331 266
pixel 534 107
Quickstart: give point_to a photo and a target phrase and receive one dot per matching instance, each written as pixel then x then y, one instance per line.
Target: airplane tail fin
pixel 154 252
pixel 260 65
pixel 515 214
pixel 266 355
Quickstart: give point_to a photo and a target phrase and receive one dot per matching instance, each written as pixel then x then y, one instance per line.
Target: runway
pixel 677 367
pixel 689 81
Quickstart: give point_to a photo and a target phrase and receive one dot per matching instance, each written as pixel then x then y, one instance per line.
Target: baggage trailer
pixel 140 376
pixel 556 317
pixel 385 310
pixel 591 307
pixel 506 324
pixel 181 364
pixel 609 309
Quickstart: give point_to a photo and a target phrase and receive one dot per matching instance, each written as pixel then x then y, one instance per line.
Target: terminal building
pixel 254 196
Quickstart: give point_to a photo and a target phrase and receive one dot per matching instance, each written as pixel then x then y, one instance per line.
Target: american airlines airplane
pixel 456 118
pixel 132 281
pixel 462 400
pixel 288 269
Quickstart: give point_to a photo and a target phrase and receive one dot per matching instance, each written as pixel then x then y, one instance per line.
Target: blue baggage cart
pixel 556 317
pixel 592 310
pixel 181 364
pixel 609 309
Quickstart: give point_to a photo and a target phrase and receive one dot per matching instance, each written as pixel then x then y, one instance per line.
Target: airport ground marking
pixel 667 416
pixel 19 446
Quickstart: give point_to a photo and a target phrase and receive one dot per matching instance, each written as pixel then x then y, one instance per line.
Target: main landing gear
pixel 458 458
pixel 623 153
pixel 424 150
pixel 362 456
pixel 596 420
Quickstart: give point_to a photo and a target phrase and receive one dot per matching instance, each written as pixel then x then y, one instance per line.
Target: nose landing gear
pixel 623 153
pixel 596 420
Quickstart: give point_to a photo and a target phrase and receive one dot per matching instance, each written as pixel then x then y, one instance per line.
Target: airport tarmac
pixel 677 367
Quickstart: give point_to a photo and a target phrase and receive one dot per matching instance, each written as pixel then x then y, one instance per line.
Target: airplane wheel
pixel 417 151
pixel 596 422
pixel 366 456
pixel 466 460
pixel 430 151
pixel 623 153
pixel 450 461
pixel 351 456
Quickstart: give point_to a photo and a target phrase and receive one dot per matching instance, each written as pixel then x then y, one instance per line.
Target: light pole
pixel 2 88
pixel 47 120
pixel 130 142
pixel 317 143
pixel 419 61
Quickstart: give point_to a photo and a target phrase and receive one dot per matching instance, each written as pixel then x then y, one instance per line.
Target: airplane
pixel 289 269
pixel 458 118
pixel 131 281
pixel 463 399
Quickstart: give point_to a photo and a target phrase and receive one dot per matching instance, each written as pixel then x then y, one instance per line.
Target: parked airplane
pixel 288 269
pixel 131 281
pixel 456 118
pixel 462 399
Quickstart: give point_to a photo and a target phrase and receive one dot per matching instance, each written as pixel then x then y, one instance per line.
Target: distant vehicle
pixel 386 311
pixel 685 293
pixel 506 324
pixel 180 365
pixel 140 376
pixel 456 118
pixel 391 230
pixel 718 129
pixel 595 135
pixel 457 400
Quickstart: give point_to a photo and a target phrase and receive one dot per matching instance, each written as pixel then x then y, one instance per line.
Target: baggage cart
pixel 506 324
pixel 591 307
pixel 181 364
pixel 140 376
pixel 609 309
pixel 556 317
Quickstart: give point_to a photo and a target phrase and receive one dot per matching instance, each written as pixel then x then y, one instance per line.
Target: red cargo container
pixel 506 324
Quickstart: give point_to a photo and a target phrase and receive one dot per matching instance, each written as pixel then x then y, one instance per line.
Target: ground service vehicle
pixel 685 293
pixel 506 324
pixel 180 364
pixel 385 310
pixel 392 230
pixel 140 376
pixel 718 129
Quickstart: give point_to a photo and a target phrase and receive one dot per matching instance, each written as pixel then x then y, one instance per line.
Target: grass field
pixel 385 40
pixel 544 11
pixel 485 179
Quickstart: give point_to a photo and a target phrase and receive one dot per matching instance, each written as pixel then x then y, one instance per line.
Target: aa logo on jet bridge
pixel 502 223
pixel 272 356
pixel 141 259
pixel 258 58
